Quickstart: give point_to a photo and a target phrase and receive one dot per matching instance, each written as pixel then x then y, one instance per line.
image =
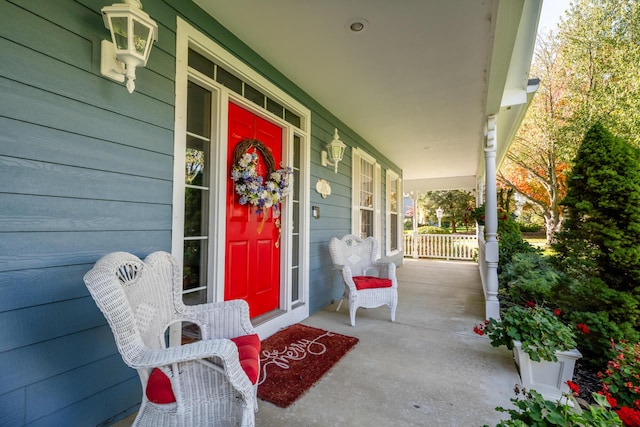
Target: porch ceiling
pixel 417 83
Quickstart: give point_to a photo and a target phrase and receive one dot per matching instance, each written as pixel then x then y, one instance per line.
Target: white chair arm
pixel 347 277
pixel 228 319
pixel 154 357
pixel 223 349
pixel 387 270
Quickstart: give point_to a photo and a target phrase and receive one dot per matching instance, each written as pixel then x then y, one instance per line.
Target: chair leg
pixel 340 304
pixel 248 418
pixel 393 306
pixel 352 314
pixel 255 397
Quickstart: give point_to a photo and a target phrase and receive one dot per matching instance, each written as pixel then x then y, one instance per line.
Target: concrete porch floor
pixel 426 369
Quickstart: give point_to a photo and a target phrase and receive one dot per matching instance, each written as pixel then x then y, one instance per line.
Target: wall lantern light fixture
pixel 334 153
pixel 132 33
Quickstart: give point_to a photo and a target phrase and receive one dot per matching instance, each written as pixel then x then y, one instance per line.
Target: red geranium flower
pixel 530 304
pixel 630 417
pixel 612 401
pixel 583 328
pixel 557 312
pixel 478 329
pixel 575 388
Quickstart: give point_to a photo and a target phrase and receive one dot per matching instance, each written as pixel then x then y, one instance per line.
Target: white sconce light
pixel 334 153
pixel 132 33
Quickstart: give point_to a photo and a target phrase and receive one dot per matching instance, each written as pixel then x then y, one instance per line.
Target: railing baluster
pixel 442 246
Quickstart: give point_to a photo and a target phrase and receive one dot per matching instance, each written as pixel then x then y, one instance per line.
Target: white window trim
pixel 187 37
pixel 357 155
pixel 391 175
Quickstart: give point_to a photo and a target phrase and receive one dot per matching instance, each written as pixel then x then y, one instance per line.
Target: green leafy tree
pixel 538 157
pixel 453 203
pixel 601 50
pixel 599 247
pixel 589 72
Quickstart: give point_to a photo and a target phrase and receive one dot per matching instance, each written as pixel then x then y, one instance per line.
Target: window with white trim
pixel 394 220
pixel 366 195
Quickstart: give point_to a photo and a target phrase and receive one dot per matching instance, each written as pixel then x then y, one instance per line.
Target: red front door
pixel 252 265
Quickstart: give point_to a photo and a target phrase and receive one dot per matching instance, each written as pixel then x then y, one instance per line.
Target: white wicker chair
pixel 355 259
pixel 140 301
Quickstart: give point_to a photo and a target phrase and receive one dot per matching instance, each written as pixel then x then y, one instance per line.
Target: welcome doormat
pixel 295 358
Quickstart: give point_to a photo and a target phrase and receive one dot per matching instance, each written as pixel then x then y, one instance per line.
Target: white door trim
pixel 189 37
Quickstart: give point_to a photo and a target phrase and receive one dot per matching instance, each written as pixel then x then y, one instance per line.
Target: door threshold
pixel 266 317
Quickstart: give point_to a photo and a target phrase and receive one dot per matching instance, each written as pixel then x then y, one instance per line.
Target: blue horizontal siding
pixel 37 286
pixel 43 108
pixel 62 391
pixel 33 142
pixel 18 25
pixel 73 214
pixel 13 406
pixel 43 322
pixel 21 251
pixel 71 79
pixel 39 178
pixel 28 365
pixel 99 409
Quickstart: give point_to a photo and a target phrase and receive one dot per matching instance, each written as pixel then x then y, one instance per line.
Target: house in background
pixel 426 96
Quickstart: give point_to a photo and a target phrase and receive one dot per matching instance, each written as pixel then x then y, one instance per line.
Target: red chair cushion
pixel 159 388
pixel 249 352
pixel 370 282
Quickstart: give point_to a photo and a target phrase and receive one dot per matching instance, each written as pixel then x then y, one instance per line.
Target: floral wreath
pixel 254 189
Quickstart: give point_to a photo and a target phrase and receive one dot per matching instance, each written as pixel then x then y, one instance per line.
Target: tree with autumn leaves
pixel 588 73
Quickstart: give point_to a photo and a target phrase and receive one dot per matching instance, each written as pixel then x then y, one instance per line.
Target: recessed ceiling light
pixel 357 25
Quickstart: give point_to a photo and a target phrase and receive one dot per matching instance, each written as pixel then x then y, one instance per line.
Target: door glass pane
pixel 254 95
pixel 195 264
pixel 193 298
pixel 292 118
pixel 274 107
pixel 201 63
pixel 196 162
pixel 198 110
pixel 196 202
pixel 296 217
pixel 295 284
pixel 295 228
pixel 295 248
pixel 229 80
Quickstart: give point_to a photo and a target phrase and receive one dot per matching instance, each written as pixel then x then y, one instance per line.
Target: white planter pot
pixel 547 378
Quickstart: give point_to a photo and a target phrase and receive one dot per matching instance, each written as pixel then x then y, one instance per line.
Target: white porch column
pixel 492 305
pixel 414 198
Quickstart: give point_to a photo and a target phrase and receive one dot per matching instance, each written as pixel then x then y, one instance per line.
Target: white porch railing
pixel 441 246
